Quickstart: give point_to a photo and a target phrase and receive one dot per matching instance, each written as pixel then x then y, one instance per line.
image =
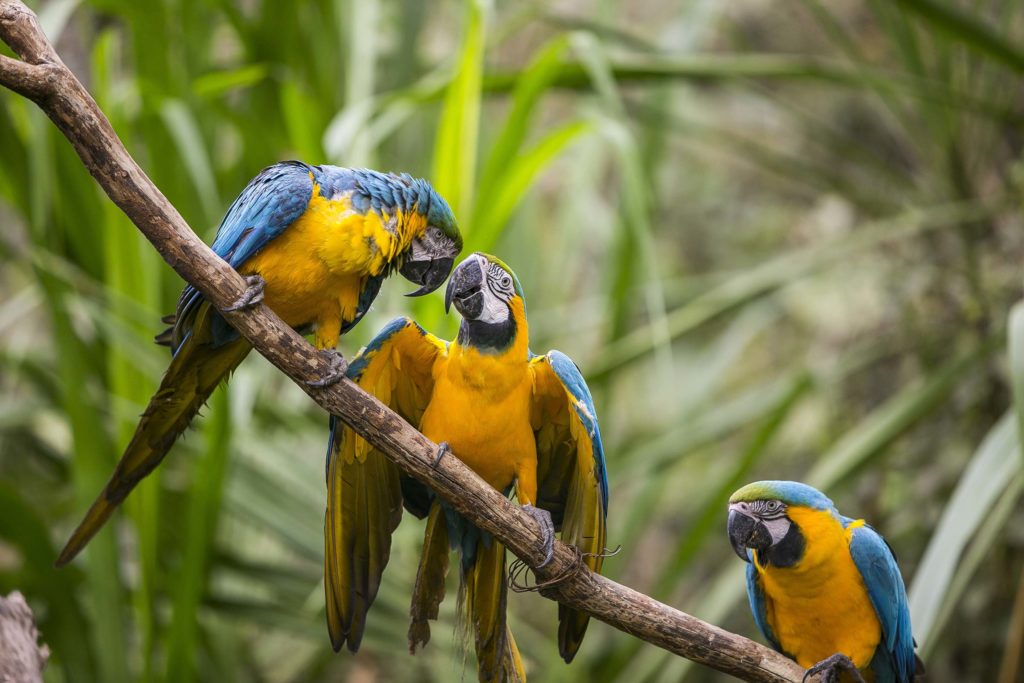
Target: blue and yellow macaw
pixel 824 589
pixel 315 243
pixel 515 418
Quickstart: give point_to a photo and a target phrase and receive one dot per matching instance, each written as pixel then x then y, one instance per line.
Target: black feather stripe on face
pixel 500 282
pixel 786 552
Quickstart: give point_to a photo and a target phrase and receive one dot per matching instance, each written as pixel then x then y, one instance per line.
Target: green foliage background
pixel 782 239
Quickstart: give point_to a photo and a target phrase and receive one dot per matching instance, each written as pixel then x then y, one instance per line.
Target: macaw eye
pixel 506 281
pixel 772 505
pixel 434 233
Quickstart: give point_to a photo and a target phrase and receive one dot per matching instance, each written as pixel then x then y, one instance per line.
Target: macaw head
pixel 432 252
pixel 759 521
pixel 490 299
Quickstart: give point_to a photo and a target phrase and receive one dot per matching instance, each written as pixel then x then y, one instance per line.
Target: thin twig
pixel 63 98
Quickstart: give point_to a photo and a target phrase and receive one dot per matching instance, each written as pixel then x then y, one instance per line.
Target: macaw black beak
pixel 465 289
pixel 747 532
pixel 429 274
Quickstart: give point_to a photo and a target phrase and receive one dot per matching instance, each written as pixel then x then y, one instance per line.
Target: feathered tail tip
pixel 512 667
pixel 484 595
pixel 419 635
pixel 430 578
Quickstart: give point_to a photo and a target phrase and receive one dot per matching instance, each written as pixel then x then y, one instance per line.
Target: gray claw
pixel 252 296
pixel 830 668
pixel 443 449
pixel 336 373
pixel 547 530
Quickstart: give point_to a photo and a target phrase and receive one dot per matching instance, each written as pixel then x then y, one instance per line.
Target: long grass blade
pixel 991 469
pixel 966 27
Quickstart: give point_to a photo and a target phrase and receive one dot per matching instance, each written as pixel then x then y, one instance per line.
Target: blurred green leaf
pixel 771 275
pixel 1015 351
pixel 218 83
pixel 61 620
pixel 966 27
pixel 992 468
pixel 455 150
pixel 200 531
pixel 892 419
pixel 192 148
pixel 516 179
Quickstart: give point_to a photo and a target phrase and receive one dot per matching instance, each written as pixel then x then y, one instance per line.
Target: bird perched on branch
pixel 315 243
pixel 515 418
pixel 824 589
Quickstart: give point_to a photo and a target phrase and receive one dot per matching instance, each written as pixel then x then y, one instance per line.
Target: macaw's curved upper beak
pixel 747 532
pixel 429 274
pixel 465 288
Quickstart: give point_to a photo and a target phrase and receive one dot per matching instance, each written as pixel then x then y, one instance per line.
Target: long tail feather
pixel 584 527
pixel 195 371
pixel 429 591
pixel 513 665
pixel 364 506
pixel 497 657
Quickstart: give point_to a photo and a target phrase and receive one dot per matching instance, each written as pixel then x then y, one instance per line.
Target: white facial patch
pixel 778 528
pixel 418 251
pixel 495 310
pixel 496 291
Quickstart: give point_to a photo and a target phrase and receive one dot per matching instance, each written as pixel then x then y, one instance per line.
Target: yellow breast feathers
pixel 820 606
pixel 481 407
pixel 316 269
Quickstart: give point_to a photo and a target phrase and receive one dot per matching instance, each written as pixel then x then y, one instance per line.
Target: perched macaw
pixel 824 589
pixel 515 418
pixel 315 243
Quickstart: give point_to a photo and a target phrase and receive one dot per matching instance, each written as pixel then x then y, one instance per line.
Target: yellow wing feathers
pixel 570 487
pixel 364 501
pixel 364 506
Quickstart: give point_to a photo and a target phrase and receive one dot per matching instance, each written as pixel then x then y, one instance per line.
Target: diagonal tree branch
pixel 43 78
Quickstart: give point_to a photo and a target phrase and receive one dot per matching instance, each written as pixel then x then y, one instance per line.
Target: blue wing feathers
pixel 572 379
pixel 888 595
pixel 271 202
pixel 358 366
pixel 755 594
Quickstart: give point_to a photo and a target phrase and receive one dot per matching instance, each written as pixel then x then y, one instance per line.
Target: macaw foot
pixel 830 668
pixel 443 449
pixel 252 296
pixel 335 374
pixel 547 530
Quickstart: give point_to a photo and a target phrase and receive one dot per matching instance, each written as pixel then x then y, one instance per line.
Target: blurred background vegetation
pixel 782 239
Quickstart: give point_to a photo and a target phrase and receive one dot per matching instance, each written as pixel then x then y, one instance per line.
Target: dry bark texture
pixel 42 77
pixel 21 657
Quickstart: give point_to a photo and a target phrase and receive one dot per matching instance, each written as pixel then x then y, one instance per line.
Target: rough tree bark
pixel 42 77
pixel 21 657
